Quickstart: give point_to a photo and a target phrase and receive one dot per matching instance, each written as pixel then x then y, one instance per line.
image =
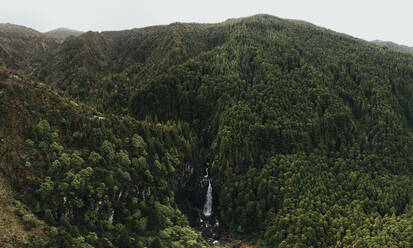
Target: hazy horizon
pixel 368 20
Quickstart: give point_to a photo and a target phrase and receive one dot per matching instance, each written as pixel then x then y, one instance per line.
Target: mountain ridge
pixel 393 46
pixel 19 45
pixel 306 134
pixel 63 33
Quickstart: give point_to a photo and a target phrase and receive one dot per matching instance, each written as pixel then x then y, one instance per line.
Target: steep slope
pixel 19 45
pixel 393 46
pixel 95 60
pixel 95 180
pixel 308 132
pixel 62 33
pixel 307 135
pixel 19 226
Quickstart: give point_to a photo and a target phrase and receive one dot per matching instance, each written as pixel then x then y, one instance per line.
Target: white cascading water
pixel 207 211
pixel 208 203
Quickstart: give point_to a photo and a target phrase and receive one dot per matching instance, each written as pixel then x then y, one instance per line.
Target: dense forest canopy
pixel 307 135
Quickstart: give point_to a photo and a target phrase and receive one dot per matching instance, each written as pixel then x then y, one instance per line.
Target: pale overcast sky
pixel 366 19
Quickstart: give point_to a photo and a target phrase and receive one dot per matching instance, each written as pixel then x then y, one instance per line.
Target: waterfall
pixel 208 223
pixel 208 202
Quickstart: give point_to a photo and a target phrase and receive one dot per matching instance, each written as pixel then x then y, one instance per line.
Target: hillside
pixel 95 180
pixel 19 45
pixel 393 46
pixel 92 57
pixel 19 226
pixel 306 135
pixel 62 33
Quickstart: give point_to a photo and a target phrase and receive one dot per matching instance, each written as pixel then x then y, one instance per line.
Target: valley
pixel 275 132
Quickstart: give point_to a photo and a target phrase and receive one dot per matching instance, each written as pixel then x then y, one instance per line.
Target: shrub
pixel 29 221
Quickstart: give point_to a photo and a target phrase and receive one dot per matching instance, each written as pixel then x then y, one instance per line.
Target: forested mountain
pixel 63 33
pixel 19 44
pixel 393 46
pixel 104 181
pixel 307 135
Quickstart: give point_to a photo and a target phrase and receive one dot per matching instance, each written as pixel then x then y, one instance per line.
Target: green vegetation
pixel 21 47
pixel 393 46
pixel 308 132
pixel 18 226
pixel 94 182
